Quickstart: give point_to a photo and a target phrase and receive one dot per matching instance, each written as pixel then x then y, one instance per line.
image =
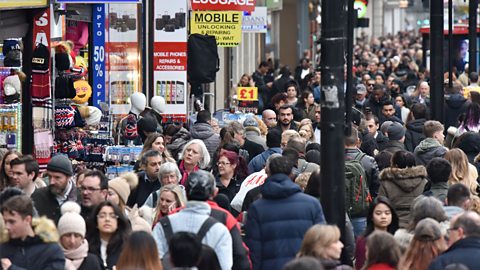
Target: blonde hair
pixel 461 172
pixel 303 134
pixel 261 125
pixel 474 204
pixel 179 198
pixel 302 179
pixel 317 239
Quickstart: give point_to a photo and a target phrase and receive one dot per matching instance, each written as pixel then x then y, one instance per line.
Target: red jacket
pixel 380 266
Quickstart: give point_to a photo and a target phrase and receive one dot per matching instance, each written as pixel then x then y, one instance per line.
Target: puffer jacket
pixel 428 149
pixel 414 134
pixel 41 251
pixel 402 186
pixel 205 132
pixel 178 141
pixel 277 223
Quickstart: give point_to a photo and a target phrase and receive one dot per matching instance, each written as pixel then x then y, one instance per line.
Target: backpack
pixel 203 61
pixel 130 132
pixel 168 232
pixel 357 194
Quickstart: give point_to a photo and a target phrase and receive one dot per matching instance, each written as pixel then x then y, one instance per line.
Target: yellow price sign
pixel 247 93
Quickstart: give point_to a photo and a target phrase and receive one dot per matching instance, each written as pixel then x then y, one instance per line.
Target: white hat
pixel 12 85
pixel 71 220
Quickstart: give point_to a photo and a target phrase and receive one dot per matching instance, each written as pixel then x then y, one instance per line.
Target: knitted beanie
pixel 60 163
pixel 71 221
pixel 123 185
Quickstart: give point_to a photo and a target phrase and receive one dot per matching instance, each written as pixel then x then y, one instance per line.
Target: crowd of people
pixel 247 195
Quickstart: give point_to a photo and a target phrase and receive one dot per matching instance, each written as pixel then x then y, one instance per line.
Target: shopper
pixel 139 252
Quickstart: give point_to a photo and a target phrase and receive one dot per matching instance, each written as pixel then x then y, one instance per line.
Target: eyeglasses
pixel 370 84
pixel 223 163
pixel 451 229
pixel 89 189
pixel 104 216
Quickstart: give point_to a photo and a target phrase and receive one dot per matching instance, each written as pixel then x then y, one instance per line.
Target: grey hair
pixel 149 153
pixel 424 207
pixel 205 160
pixel 169 167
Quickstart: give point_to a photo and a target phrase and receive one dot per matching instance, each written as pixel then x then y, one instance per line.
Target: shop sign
pixel 170 57
pixel 98 77
pixel 98 1
pixel 237 5
pixel 247 93
pixel 226 26
pixel 9 4
pixel 255 22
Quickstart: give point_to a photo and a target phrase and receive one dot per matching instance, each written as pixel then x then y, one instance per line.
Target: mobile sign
pixel 231 5
pixel 226 26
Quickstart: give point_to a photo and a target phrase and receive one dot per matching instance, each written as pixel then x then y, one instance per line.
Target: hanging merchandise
pixel 120 159
pixel 83 92
pixel 10 126
pixel 12 88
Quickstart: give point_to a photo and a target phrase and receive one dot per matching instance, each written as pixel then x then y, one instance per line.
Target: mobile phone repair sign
pixel 238 5
pixel 226 26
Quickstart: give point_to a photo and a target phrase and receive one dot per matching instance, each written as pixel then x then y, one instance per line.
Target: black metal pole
pixel 450 43
pixel 333 42
pixel 436 59
pixel 352 15
pixel 472 35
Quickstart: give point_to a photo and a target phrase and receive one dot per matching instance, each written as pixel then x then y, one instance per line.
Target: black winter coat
pixel 91 262
pixel 465 251
pixel 33 254
pixel 47 205
pixel 414 134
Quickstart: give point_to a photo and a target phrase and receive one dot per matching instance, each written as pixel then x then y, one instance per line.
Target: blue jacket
pixel 257 163
pixel 276 223
pixel 465 251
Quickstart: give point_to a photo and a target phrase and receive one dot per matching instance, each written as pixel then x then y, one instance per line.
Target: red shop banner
pixel 229 5
pixel 170 56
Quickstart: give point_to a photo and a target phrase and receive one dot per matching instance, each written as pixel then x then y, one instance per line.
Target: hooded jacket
pixel 465 251
pixel 414 134
pixel 40 252
pixel 205 132
pixel 402 186
pixel 254 135
pixel 455 105
pixel 428 149
pixel 257 163
pixel 178 141
pixel 276 223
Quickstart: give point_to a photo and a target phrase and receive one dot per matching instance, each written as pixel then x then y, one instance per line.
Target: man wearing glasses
pixel 464 243
pixel 61 188
pixel 94 190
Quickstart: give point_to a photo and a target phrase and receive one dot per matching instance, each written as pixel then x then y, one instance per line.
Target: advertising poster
pixel 122 55
pixel 9 4
pixel 256 21
pixel 98 17
pixel 170 56
pixel 239 5
pixel 226 26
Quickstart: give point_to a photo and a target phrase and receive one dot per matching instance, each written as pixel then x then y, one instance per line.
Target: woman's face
pixel 158 145
pixel 112 196
pixel 225 167
pixel 379 80
pixel 307 129
pixel 169 178
pixel 291 92
pixel 107 220
pixel 279 104
pixel 167 202
pixel 192 154
pixel 334 250
pixel 310 99
pixel 8 168
pixel 71 241
pixel 244 81
pixel 382 216
pixel 399 102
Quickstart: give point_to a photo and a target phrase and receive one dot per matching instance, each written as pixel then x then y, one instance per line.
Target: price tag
pixel 247 93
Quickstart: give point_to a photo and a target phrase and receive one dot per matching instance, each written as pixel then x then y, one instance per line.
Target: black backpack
pixel 203 62
pixel 168 232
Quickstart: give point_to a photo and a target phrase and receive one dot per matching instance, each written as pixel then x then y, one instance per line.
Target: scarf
pixel 184 172
pixel 74 258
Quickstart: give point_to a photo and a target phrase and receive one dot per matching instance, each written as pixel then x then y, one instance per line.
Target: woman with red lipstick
pixel 108 230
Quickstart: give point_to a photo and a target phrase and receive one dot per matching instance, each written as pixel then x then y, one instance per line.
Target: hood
pixel 455 101
pixel 279 186
pixel 201 131
pixel 252 131
pixel 45 232
pixel 406 179
pixel 416 125
pixel 197 207
pixel 427 145
pixel 182 133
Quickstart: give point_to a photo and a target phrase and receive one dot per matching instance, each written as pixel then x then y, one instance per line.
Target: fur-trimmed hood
pixel 406 179
pixel 45 229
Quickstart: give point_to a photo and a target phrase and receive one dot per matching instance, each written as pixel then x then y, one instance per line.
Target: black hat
pixel 274 138
pixel 62 61
pixel 40 57
pixel 13 59
pixel 60 164
pixel 200 185
pixel 64 87
pixel 395 131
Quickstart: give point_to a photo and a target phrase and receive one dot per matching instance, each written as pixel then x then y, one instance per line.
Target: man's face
pixel 424 89
pixel 388 110
pixel 270 119
pixel 153 166
pixel 439 136
pixel 92 194
pixel 370 85
pixel 371 126
pixel 16 225
pixel 58 182
pixel 378 95
pixel 286 116
pixel 20 178
pixel 454 234
pixel 360 96
pixel 318 115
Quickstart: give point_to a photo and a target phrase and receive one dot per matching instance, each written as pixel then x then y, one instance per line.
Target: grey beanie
pixel 60 163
